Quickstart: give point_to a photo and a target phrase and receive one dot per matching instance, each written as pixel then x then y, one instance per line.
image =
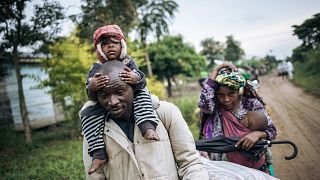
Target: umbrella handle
pixel 294 146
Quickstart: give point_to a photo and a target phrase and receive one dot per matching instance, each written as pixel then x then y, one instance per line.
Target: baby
pixel 255 121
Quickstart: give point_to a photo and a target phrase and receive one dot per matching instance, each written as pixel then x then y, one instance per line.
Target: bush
pixel 307 73
pixel 156 87
pixel 188 106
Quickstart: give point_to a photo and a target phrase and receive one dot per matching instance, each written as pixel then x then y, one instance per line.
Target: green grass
pixel 52 155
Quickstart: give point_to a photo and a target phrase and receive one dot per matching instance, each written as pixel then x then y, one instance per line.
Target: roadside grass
pixel 53 154
pixel 307 76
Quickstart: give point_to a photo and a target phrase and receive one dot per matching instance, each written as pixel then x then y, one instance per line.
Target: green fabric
pixel 231 79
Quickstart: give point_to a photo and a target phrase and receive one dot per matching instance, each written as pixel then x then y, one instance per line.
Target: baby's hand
pixel 96 163
pixel 98 81
pixel 129 76
pixel 151 134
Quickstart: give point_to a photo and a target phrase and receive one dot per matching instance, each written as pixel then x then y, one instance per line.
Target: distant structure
pixel 42 111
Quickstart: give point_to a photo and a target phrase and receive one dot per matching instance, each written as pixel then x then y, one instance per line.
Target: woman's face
pixel 227 97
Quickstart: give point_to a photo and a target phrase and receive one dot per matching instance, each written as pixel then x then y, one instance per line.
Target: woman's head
pixel 109 43
pixel 230 87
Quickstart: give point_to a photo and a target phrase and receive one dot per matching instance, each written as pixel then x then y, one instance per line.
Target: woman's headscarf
pixel 231 79
pixel 109 30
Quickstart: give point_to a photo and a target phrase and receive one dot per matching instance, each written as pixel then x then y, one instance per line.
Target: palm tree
pixel 154 17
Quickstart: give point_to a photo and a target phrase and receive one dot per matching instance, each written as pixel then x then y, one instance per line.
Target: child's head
pixel 109 43
pixel 255 121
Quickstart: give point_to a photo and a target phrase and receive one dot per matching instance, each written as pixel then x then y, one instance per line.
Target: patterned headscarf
pixel 231 79
pixel 109 30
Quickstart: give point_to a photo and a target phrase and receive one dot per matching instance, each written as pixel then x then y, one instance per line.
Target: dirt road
pixel 297 118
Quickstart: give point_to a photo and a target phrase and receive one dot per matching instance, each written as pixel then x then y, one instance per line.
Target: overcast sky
pixel 262 26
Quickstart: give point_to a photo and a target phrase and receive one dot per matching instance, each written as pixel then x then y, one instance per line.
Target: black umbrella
pixel 223 145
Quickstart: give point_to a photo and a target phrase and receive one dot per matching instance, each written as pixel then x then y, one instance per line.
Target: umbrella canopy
pixel 222 144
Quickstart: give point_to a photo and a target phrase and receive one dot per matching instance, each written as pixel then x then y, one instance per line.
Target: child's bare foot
pixel 151 134
pixel 96 163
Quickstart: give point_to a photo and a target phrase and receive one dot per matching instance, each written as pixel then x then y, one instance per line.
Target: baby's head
pixel 106 35
pixel 255 121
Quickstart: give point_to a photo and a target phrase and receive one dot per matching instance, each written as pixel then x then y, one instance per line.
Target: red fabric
pixel 233 128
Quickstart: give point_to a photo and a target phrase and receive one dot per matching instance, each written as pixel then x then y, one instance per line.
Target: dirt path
pixel 297 118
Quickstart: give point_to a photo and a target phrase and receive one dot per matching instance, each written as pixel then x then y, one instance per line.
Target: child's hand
pixel 129 76
pixel 98 81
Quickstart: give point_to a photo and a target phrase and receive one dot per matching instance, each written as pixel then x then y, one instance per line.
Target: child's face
pixel 111 47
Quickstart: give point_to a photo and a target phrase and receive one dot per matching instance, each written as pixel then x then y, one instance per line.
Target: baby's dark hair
pixel 259 121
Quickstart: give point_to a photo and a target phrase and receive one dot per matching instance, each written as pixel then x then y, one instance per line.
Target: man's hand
pixel 250 139
pixel 96 163
pixel 98 81
pixel 129 76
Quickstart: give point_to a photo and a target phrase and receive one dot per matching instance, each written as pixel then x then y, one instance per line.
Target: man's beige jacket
pixel 173 157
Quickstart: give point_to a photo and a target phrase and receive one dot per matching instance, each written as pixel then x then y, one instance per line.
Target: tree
pixel 171 56
pixel 212 50
pixel 69 65
pixel 233 51
pixel 154 17
pixel 96 13
pixel 309 32
pixel 16 32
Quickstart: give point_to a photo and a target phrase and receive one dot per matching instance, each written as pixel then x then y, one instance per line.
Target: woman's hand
pixel 204 154
pixel 215 70
pixel 250 139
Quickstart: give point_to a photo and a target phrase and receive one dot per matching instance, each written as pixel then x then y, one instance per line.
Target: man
pixel 130 156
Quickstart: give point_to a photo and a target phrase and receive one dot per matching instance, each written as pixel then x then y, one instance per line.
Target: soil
pixel 296 116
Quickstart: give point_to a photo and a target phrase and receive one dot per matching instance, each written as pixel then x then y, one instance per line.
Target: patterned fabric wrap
pixel 232 79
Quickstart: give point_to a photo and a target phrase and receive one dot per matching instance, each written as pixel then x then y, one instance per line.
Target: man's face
pixel 111 47
pixel 227 97
pixel 117 98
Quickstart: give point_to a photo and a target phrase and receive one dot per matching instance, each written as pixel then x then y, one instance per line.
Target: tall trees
pixel 148 16
pixel 233 51
pixel 212 50
pixel 309 32
pixel 67 69
pixel 153 18
pixel 96 13
pixel 171 56
pixel 16 33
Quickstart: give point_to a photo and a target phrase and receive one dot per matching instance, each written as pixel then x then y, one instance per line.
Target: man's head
pixel 110 43
pixel 117 96
pixel 255 121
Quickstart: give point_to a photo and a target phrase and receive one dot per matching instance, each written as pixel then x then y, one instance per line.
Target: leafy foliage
pixel 43 26
pixel 171 57
pixel 156 87
pixel 212 50
pixel 309 32
pixel 67 69
pixel 154 17
pixel 306 74
pixel 97 13
pixel 233 51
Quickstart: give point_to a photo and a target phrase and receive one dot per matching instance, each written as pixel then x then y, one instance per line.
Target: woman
pixel 226 98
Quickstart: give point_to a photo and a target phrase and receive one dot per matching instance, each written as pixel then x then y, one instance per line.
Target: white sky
pixel 262 27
